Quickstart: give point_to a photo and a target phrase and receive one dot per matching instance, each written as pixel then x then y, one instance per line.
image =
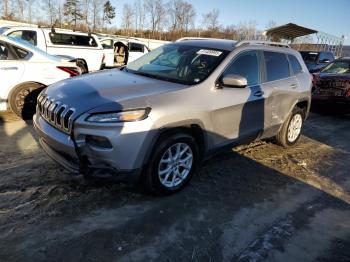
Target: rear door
pixel 136 50
pixel 11 69
pixel 282 84
pixel 108 49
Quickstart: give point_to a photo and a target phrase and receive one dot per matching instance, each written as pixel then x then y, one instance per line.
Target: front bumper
pixel 124 159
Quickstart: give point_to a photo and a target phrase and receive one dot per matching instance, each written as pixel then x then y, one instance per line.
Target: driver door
pixel 11 70
pixel 240 112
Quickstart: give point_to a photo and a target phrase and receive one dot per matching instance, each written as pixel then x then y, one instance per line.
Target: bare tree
pixel 97 9
pixel 128 16
pixel 20 8
pixel 6 8
pixel 86 8
pixel 182 15
pixel 157 14
pixel 271 24
pixel 139 15
pixel 211 20
pixel 49 5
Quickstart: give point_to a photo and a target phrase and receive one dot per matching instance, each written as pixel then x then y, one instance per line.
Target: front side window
pixel 178 63
pixel 337 67
pixel 135 47
pixel 26 35
pixel 277 66
pixel 296 67
pixel 246 65
pixel 70 39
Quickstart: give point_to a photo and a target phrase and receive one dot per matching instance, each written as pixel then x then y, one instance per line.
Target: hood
pixel 327 80
pixel 108 87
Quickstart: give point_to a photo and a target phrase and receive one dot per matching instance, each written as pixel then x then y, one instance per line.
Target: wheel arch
pixel 194 129
pixel 19 85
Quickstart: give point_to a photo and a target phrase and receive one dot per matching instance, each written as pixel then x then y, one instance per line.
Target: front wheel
pixel 290 132
pixel 172 164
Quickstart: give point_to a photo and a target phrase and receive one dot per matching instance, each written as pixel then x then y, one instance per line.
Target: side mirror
pixel 232 80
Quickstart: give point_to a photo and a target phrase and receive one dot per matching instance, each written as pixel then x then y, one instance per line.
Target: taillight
pixel 348 93
pixel 72 71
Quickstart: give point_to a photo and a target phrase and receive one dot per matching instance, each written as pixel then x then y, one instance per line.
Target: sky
pixel 329 16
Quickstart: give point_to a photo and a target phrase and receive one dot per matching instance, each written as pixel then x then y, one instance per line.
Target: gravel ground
pixel 252 203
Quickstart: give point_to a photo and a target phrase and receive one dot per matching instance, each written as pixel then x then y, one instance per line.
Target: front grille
pixel 56 113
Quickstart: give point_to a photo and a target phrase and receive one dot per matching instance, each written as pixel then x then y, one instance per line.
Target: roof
pixel 222 44
pixel 289 31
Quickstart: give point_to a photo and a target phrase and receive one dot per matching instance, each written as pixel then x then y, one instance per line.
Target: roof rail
pixel 257 42
pixel 197 38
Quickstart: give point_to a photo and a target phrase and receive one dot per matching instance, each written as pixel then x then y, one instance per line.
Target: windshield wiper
pixel 160 77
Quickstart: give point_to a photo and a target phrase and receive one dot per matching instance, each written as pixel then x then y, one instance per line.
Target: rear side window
pixel 134 47
pixel 294 63
pixel 246 65
pixel 277 66
pixel 69 39
pixel 26 35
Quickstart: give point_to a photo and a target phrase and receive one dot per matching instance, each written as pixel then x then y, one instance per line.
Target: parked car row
pixel 24 71
pixel 25 74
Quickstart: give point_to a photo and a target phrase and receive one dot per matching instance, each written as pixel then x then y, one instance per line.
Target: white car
pixel 24 71
pixel 85 48
pixel 120 51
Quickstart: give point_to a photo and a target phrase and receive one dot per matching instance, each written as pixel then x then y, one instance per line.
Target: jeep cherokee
pixel 160 115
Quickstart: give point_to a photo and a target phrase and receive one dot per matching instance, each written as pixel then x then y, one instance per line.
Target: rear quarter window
pixel 295 65
pixel 72 40
pixel 277 66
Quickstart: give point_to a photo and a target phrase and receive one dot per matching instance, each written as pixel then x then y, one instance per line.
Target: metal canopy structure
pixel 291 32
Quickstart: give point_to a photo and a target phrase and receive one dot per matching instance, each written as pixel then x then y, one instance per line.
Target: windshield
pixel 310 57
pixel 338 67
pixel 178 63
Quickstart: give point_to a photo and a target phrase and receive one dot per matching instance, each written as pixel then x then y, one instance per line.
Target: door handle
pixel 259 93
pixel 9 68
pixel 294 86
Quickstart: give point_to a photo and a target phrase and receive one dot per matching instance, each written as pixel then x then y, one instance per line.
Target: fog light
pixel 98 141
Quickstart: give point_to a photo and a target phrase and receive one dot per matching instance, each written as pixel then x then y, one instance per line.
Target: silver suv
pixel 159 116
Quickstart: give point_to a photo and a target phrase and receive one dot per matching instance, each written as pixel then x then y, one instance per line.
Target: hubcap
pixel 24 97
pixel 175 165
pixel 294 128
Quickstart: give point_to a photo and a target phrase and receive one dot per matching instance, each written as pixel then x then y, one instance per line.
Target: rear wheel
pixel 23 99
pixel 172 164
pixel 290 131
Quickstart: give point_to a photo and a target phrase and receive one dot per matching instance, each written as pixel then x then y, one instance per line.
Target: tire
pixel 290 132
pixel 83 66
pixel 154 176
pixel 23 98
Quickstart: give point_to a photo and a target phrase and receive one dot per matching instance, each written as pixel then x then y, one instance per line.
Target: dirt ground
pixel 252 203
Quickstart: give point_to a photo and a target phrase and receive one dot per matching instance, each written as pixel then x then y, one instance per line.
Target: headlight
pixel 124 116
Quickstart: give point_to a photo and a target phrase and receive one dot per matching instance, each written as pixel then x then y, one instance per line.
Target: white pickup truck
pixel 85 48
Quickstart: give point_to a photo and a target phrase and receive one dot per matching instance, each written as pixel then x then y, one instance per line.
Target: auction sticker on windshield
pixel 209 52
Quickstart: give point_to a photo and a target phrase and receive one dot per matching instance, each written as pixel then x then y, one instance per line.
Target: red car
pixel 331 86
